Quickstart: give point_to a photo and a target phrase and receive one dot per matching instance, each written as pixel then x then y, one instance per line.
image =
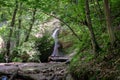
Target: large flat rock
pixel 58 59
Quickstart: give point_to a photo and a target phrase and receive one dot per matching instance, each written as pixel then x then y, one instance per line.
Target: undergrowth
pixel 85 66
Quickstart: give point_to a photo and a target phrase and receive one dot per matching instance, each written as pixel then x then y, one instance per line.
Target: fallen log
pixel 16 75
pixel 13 75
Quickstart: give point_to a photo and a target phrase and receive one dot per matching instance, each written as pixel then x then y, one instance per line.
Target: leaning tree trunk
pixel 11 31
pixel 31 24
pixel 108 22
pixel 92 35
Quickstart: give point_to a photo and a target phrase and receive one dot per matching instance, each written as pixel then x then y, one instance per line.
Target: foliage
pixel 45 47
pixel 4 32
pixel 85 66
pixel 115 11
pixel 72 15
pixel 16 59
pixel 25 53
pixel 1 57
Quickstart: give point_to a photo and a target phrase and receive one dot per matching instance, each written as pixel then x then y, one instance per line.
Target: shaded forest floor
pixel 104 67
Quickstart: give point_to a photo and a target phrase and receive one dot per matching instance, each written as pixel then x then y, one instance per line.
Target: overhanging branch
pixel 65 24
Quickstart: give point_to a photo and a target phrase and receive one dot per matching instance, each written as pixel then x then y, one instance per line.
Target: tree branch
pixel 65 24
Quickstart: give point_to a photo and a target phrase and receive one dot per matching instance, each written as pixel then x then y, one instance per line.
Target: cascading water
pixel 55 37
pixel 57 54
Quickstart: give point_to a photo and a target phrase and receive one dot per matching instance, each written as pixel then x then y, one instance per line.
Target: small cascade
pixel 56 46
pixel 57 54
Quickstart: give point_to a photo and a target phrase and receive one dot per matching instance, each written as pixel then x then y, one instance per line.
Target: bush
pixel 25 52
pixel 45 47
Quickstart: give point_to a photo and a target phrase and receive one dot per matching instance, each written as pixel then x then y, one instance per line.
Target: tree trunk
pixel 92 35
pixel 31 24
pixel 11 31
pixel 19 26
pixel 108 22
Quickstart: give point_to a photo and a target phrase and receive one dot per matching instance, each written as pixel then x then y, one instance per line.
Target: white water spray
pixel 55 37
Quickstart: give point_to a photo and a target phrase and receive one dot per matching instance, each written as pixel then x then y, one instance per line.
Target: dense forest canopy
pixel 88 28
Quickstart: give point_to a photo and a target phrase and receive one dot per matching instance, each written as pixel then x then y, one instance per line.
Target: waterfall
pixel 56 46
pixel 55 34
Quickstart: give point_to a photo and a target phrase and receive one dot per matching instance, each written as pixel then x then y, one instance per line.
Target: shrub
pixel 45 47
